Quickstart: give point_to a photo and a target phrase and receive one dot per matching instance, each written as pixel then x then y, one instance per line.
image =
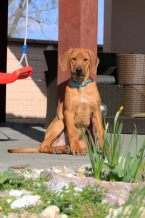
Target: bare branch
pixel 33 18
pixel 9 2
pixel 42 10
pixel 37 9
pixel 19 13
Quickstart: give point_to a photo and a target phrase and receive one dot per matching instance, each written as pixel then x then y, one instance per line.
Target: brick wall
pixel 26 99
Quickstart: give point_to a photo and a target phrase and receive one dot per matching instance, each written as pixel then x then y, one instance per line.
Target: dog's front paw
pixel 78 151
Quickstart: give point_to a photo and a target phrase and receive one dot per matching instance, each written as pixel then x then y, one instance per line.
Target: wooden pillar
pixel 78 22
pixel 3 56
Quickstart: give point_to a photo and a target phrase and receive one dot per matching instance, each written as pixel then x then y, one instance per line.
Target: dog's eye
pixel 74 59
pixel 85 59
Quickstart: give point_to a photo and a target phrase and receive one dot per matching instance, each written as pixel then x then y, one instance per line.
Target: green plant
pixel 113 142
pixel 80 204
pixel 96 156
pixel 141 177
pixel 7 206
pixel 9 175
pixel 132 164
pixel 29 185
pixel 75 204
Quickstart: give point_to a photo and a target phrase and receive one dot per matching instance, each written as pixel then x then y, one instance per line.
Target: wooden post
pixel 78 22
pixel 3 56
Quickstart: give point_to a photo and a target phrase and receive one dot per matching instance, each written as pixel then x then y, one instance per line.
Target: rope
pixel 24 56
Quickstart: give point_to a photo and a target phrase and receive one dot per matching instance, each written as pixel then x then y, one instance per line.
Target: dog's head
pixel 80 60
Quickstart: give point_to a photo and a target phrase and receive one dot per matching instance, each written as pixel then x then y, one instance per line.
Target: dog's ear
pixel 94 61
pixel 64 59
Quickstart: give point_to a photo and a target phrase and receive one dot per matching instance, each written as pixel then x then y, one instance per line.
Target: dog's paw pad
pixel 68 150
pixel 59 152
pixel 83 154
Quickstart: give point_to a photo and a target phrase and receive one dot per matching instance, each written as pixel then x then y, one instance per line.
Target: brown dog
pixel 80 104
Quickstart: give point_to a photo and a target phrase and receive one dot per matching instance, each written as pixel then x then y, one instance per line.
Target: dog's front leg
pixel 72 134
pixel 97 121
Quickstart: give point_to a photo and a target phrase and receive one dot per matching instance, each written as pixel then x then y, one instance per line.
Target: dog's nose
pixel 78 69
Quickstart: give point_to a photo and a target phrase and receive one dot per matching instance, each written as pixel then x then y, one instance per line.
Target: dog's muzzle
pixel 79 72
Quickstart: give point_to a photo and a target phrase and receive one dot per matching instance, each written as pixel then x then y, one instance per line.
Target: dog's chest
pixel 83 109
pixel 84 100
pixel 84 103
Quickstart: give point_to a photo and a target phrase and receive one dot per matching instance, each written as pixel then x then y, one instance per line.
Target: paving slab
pixel 21 135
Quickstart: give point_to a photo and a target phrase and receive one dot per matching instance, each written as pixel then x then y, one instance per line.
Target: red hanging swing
pixel 21 73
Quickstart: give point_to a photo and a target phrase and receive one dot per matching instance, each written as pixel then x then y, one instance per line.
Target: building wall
pixel 124 23
pixel 26 99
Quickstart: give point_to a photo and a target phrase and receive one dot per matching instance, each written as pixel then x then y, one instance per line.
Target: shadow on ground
pixel 30 130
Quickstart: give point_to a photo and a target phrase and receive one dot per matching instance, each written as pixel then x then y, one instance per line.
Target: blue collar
pixel 80 85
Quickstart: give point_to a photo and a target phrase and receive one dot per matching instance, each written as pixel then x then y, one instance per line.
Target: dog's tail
pixel 24 150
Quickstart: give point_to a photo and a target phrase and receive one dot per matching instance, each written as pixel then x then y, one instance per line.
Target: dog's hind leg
pixel 53 131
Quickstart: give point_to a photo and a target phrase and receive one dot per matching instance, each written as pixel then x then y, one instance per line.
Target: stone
pixel 142 210
pixel 57 171
pixel 113 213
pixel 2 216
pixel 15 193
pixel 65 169
pixel 27 175
pixel 32 215
pixel 50 212
pixel 13 215
pixel 53 168
pixel 78 167
pixel 56 167
pixel 62 216
pixel 70 175
pixel 82 168
pixel 9 200
pixel 124 193
pixel 19 203
pixel 32 200
pixel 47 174
pixel 111 197
pixel 39 202
pixel 18 171
pixel 81 175
pixel 4 193
pixel 25 192
pixel 59 186
pixel 61 173
pixel 36 173
pixel 78 189
pixel 22 210
pixel 24 214
pixel 72 172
